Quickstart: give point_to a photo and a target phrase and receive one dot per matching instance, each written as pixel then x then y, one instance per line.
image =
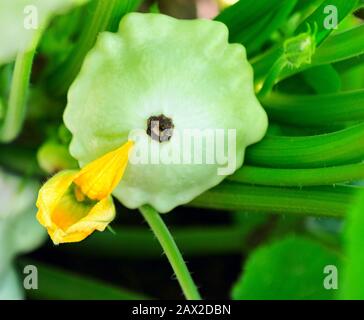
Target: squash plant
pixel 97 98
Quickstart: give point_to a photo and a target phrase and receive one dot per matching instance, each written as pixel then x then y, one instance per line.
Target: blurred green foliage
pixel 292 268
pixel 302 171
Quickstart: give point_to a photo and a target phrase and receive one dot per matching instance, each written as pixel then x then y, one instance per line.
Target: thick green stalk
pixel 314 201
pixel 16 108
pixel 265 61
pixel 272 77
pixel 336 148
pixel 299 177
pixel 319 110
pixel 172 252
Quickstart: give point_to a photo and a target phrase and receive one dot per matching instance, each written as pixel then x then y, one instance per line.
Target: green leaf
pixel 345 47
pixel 322 110
pixel 308 6
pixel 100 15
pixel 299 177
pixel 323 79
pixel 350 64
pixel 339 147
pixel 323 201
pixel 244 13
pixel 353 281
pixel 248 33
pixel 319 16
pixel 353 79
pixel 292 268
pixel 55 283
pixel 328 54
pixel 252 23
pixel 341 46
pixel 2 109
pixel 275 21
pixel 58 39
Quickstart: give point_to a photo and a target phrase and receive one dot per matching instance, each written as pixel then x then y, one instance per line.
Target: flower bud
pixel 300 49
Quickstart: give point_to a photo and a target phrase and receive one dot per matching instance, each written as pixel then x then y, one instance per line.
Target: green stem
pixel 272 77
pixel 173 254
pixel 265 61
pixel 16 108
pixel 314 201
pixel 99 17
pixel 299 177
pixel 317 110
pixel 330 149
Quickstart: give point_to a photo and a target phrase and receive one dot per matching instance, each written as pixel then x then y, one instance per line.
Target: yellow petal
pixel 67 216
pixel 98 218
pixel 99 178
pixel 50 194
pixel 70 210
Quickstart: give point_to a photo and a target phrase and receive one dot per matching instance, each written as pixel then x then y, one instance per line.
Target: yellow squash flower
pixel 73 204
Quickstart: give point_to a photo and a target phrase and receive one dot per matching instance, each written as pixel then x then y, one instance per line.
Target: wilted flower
pixel 73 204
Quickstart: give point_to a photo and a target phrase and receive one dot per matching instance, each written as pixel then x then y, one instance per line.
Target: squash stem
pixel 172 252
pixel 16 108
